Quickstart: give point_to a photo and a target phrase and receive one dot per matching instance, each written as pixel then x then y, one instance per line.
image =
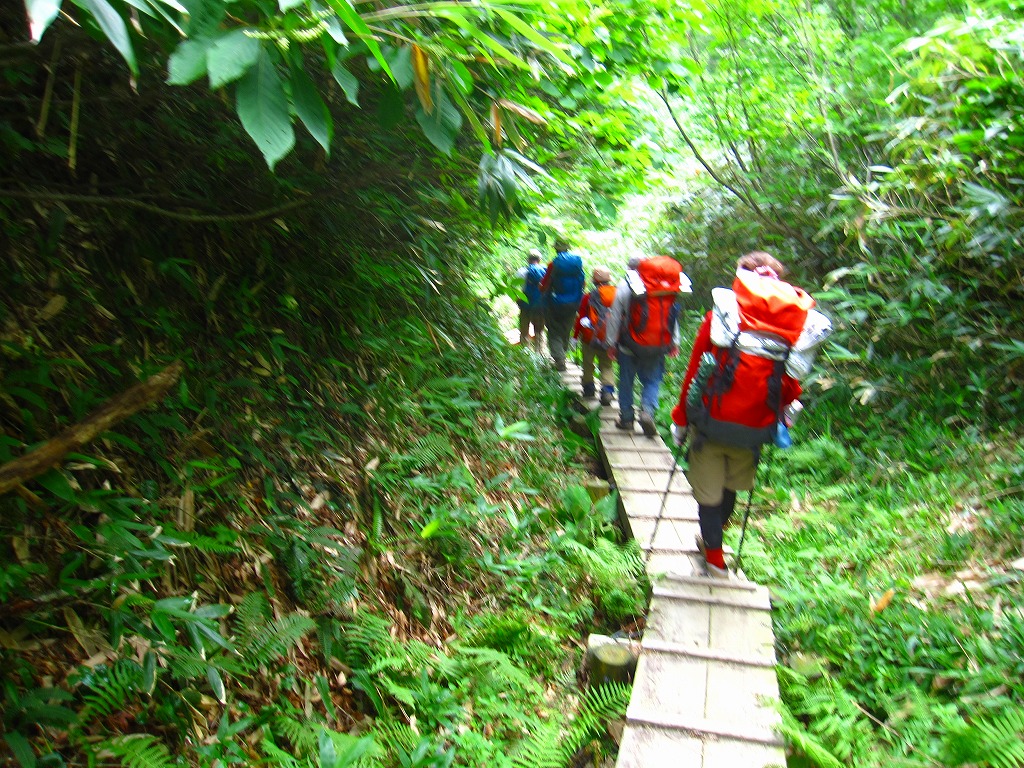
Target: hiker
pixel 531 311
pixel 748 355
pixel 591 328
pixel 643 322
pixel 562 287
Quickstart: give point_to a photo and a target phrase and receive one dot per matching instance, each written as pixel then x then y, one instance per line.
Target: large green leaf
pixel 482 38
pixel 442 125
pixel 204 17
pixel 347 13
pixel 113 27
pixel 535 37
pixel 41 14
pixel 262 107
pixel 310 107
pixel 230 57
pixel 347 81
pixel 188 62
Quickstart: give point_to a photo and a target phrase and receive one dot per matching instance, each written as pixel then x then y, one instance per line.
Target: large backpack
pixel 601 299
pixel 761 330
pixel 566 279
pixel 652 312
pixel 531 285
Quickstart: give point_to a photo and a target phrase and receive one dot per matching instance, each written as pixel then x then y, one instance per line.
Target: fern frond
pixel 391 734
pixel 206 544
pixel 111 689
pixel 1002 739
pixel 430 450
pixel 186 663
pixel 791 729
pixel 139 751
pixel 277 639
pixel 363 638
pixel 252 615
pixel 262 640
pixel 543 749
pixel 279 757
pixel 599 706
pixel 301 735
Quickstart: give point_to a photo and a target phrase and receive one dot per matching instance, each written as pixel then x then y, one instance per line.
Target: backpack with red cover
pixel 761 330
pixel 653 311
pixel 601 299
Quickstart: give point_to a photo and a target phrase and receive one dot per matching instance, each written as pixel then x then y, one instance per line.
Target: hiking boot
pixel 588 390
pixel 625 426
pixel 714 572
pixel 607 395
pixel 647 424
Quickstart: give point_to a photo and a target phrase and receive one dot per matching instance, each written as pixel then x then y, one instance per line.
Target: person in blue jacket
pixel 531 311
pixel 562 287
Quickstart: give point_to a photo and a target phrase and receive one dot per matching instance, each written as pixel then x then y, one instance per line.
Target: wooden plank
pixel 711 654
pixel 702 727
pixel 742 694
pixel 669 534
pixel 755 602
pixel 727 753
pixel 649 505
pixel 743 584
pixel 740 631
pixel 643 747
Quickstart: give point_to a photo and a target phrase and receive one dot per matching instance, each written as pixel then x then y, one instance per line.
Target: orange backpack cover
pixel 771 306
pixel 652 316
pixel 601 299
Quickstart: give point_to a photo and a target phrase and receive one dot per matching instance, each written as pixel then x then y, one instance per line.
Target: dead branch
pixel 39 460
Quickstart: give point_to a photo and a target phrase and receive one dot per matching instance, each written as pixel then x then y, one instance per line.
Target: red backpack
pixel 736 396
pixel 601 299
pixel 652 312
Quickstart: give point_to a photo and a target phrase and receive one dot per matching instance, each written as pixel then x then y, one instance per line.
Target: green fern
pixel 280 758
pixel 186 663
pixel 139 751
pixel 518 633
pixel 391 733
pixel 112 689
pixel 279 637
pixel 262 640
pixel 998 742
pixel 303 736
pixel 793 731
pixel 429 451
pixel 362 639
pixel 543 749
pixel 600 705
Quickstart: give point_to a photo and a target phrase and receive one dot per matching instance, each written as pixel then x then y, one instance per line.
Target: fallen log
pixel 37 461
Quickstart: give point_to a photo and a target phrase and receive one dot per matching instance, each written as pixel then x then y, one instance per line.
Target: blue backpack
pixel 531 285
pixel 567 279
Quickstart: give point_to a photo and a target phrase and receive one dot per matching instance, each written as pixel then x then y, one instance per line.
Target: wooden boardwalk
pixel 705 682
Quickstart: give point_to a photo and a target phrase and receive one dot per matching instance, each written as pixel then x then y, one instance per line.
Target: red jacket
pixel 754 414
pixel 583 311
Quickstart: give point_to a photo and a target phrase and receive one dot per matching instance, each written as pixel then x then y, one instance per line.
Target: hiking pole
pixel 746 516
pixel 664 498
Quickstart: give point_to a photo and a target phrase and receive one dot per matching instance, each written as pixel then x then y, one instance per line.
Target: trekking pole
pixel 746 516
pixel 664 499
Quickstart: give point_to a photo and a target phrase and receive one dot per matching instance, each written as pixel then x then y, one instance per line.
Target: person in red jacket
pixel 717 468
pixel 591 327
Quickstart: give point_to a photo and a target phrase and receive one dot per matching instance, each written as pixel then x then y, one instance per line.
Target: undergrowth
pixel 352 534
